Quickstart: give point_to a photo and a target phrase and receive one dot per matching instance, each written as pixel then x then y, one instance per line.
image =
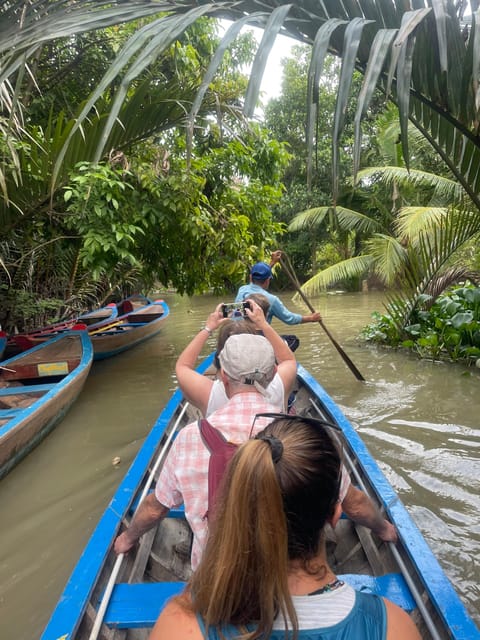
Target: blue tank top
pixel 366 621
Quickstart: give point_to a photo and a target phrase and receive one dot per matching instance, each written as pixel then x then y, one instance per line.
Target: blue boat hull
pixel 412 576
pixel 37 387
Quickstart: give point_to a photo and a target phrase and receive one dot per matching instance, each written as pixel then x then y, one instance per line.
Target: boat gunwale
pixel 446 600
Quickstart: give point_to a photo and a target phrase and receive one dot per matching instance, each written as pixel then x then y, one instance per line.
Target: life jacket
pixel 221 452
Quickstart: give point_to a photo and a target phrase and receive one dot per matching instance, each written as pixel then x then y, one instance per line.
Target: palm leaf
pixel 388 256
pixel 412 222
pixel 271 30
pixel 446 190
pixel 353 33
pixel 351 268
pixel 376 60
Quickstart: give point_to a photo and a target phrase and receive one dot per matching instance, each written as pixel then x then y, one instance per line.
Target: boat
pixel 37 387
pixel 132 320
pixel 128 330
pixel 121 597
pixel 23 341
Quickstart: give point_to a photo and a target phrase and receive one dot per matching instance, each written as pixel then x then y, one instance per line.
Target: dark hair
pixel 231 328
pixel 269 515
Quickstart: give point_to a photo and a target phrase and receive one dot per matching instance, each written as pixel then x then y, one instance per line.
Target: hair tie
pixel 276 446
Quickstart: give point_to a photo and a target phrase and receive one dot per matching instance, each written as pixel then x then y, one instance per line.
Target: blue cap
pixel 261 271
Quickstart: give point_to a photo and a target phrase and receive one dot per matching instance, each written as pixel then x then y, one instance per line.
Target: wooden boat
pixel 132 320
pixel 110 597
pixel 36 389
pixel 24 341
pixel 128 330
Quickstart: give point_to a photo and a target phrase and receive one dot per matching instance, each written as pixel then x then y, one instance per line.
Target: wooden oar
pixel 289 270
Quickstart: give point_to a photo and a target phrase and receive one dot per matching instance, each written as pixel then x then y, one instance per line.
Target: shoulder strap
pixel 212 438
pixel 221 451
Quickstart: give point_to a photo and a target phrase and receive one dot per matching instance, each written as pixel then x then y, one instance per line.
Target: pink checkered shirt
pixel 184 477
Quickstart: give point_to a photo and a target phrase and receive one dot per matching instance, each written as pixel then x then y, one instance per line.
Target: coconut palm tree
pixel 425 58
pixel 413 250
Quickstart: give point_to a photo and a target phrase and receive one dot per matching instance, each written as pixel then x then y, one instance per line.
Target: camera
pixel 235 309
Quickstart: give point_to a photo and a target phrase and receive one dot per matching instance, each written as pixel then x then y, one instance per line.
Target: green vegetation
pixel 126 157
pixel 102 210
pixel 445 328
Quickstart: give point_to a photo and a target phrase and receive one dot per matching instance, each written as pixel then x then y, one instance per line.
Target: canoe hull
pixel 130 330
pixel 146 579
pixel 47 401
pixel 92 320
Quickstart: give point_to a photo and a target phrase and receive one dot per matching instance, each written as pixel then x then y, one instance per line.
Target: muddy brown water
pixel 419 419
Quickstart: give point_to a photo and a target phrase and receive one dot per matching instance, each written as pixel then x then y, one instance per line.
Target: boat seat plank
pixel 138 605
pixel 8 391
pixel 119 328
pixel 177 512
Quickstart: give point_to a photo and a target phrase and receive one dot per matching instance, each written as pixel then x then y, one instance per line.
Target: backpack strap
pixel 221 451
pixel 212 438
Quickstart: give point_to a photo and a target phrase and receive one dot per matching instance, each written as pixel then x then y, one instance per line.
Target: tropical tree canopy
pixel 425 57
pixel 91 210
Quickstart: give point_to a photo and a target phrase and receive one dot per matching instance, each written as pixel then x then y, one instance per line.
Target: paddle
pixel 289 270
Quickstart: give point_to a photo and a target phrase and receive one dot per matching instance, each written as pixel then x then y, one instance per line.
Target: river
pixel 419 419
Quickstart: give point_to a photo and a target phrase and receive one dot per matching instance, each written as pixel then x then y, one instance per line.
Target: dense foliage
pixel 157 207
pixel 445 328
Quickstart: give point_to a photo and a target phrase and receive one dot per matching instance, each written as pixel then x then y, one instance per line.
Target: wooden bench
pixel 137 605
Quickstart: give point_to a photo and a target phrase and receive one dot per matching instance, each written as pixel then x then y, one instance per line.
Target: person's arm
pixel 148 514
pixel 286 361
pixel 400 625
pixel 275 258
pixel 280 311
pixel 359 508
pixel 312 317
pixel 196 387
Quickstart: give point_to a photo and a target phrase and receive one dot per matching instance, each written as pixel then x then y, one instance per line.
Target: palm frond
pixel 446 189
pixel 432 74
pixel 311 218
pixel 412 222
pixel 351 268
pixel 388 257
pixel 429 260
pixel 450 276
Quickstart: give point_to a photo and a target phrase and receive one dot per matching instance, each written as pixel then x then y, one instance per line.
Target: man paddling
pixel 260 278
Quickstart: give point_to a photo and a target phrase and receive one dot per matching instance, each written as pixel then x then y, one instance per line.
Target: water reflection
pixel 419 420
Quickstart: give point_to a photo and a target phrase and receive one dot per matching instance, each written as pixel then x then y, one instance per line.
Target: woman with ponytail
pixel 264 572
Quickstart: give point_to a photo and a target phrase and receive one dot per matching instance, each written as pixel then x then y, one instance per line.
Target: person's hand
pixel 122 543
pixel 275 257
pixel 387 532
pixel 216 318
pixel 314 317
pixel 255 313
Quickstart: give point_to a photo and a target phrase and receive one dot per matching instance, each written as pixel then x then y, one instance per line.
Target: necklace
pixel 331 586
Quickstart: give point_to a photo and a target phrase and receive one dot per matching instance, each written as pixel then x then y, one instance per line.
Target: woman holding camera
pixel 208 395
